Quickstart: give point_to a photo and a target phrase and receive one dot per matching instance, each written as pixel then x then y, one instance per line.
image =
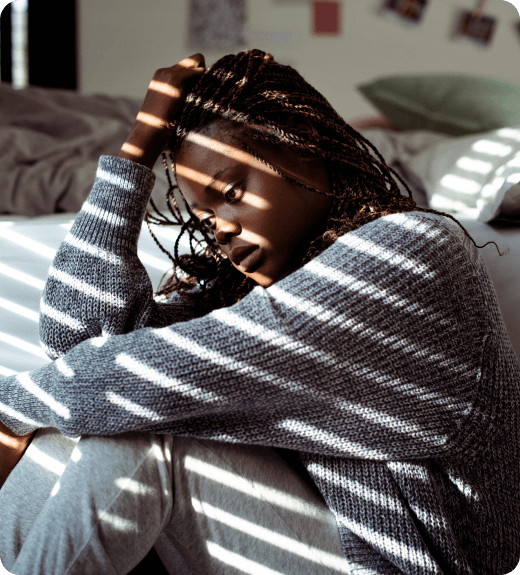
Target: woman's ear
pixel 301 123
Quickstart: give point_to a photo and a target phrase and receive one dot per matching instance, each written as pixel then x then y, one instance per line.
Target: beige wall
pixel 122 42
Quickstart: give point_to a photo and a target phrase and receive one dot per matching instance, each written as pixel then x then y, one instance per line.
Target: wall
pixel 122 43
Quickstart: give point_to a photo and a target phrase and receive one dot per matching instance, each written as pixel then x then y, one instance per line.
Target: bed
pixel 465 161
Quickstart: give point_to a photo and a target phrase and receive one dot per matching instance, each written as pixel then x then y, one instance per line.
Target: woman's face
pixel 262 222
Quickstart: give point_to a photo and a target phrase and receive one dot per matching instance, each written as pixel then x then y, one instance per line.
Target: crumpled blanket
pixel 50 144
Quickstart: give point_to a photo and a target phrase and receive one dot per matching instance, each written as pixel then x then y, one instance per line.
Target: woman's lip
pixel 251 261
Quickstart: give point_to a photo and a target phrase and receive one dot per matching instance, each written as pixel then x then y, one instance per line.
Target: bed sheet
pixel 28 245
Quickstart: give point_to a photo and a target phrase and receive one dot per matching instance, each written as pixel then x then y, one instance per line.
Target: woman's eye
pixel 233 194
pixel 208 222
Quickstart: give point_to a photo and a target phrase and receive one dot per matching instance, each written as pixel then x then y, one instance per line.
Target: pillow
pixel 446 103
pixel 474 177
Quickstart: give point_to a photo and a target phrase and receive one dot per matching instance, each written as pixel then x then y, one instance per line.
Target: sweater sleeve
pixel 374 349
pixel 97 284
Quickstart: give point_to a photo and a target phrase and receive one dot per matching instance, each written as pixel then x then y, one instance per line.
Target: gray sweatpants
pixel 98 505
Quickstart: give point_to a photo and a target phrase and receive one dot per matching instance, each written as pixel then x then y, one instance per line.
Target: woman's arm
pixel 370 350
pixel 96 284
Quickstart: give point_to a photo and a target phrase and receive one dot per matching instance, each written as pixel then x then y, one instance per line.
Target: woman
pixel 324 327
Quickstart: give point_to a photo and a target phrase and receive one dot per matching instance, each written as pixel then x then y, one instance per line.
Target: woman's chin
pixel 269 272
pixel 262 280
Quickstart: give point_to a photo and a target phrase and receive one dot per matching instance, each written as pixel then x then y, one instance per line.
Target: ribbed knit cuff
pixel 16 390
pixel 111 217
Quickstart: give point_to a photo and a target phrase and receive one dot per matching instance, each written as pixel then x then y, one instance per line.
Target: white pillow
pixel 475 177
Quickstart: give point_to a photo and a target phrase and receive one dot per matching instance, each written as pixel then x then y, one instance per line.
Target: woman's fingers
pixel 195 61
pixel 164 99
pixel 173 83
pixel 168 88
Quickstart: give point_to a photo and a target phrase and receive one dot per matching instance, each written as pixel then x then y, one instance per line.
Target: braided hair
pixel 252 91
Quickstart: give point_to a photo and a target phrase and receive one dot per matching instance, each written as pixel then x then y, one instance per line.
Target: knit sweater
pixel 384 363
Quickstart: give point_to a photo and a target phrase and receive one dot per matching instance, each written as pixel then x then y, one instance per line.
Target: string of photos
pixel 216 24
pixel 473 26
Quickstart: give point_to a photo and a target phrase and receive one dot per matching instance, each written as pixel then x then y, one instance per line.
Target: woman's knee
pixel 111 502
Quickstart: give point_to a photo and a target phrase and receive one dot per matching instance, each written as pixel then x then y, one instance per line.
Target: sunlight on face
pixel 262 221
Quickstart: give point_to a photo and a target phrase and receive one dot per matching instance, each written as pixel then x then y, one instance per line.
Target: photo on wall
pixel 475 27
pixel 326 18
pixel 216 24
pixel 407 11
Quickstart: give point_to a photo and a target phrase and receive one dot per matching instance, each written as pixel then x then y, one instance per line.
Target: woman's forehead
pixel 214 149
pixel 202 164
pixel 219 143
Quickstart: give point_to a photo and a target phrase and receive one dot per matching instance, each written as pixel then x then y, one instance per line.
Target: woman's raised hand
pixel 164 99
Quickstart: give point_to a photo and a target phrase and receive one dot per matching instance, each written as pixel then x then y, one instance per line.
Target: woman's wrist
pixel 12 448
pixel 143 146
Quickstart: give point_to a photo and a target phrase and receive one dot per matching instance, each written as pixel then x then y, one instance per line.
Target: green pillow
pixel 447 103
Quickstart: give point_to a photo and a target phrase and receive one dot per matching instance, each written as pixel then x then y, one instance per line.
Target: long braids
pixel 252 91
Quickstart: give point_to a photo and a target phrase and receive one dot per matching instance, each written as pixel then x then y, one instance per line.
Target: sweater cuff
pixel 19 390
pixel 112 215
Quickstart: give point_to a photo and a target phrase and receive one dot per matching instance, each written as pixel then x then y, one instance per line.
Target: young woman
pixel 324 332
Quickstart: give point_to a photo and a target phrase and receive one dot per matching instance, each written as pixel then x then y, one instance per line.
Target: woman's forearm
pixel 96 284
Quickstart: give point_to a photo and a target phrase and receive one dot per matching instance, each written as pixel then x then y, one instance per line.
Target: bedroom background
pixel 120 43
pixel 451 127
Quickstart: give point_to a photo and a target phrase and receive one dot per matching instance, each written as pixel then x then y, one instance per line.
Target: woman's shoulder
pixel 406 243
pixel 436 229
pixel 420 220
pixel 410 231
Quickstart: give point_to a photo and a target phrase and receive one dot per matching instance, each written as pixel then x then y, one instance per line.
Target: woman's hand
pixel 12 447
pixel 152 128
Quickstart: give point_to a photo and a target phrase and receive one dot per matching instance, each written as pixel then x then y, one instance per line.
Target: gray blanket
pixel 50 144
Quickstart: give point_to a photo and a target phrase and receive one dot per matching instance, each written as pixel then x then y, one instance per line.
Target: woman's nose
pixel 225 230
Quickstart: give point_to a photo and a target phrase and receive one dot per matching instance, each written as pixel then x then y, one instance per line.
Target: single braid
pixel 253 91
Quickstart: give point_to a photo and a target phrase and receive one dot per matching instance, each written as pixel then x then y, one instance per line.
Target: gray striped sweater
pixel 384 363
